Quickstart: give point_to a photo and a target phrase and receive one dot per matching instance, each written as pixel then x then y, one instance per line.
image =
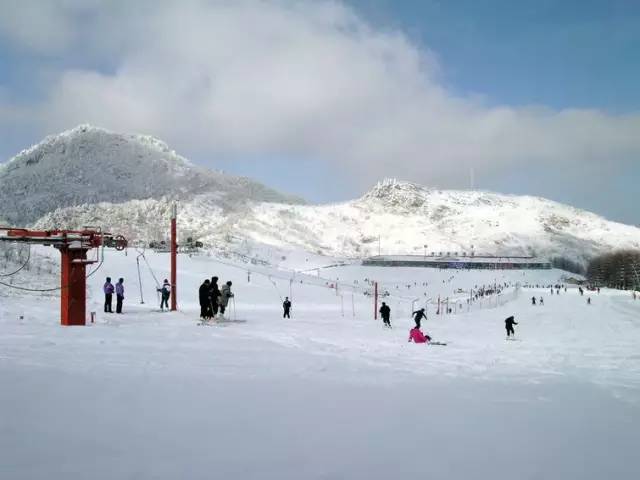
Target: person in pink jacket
pixel 416 336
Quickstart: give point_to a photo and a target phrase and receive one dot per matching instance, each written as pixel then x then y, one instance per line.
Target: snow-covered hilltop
pixel 405 217
pixel 88 165
pixel 126 183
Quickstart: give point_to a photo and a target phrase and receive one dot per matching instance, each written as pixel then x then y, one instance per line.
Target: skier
pixel 205 301
pixel 541 301
pixel 214 293
pixel 418 315
pixel 551 290
pixel 287 308
pixel 533 300
pixel 508 324
pixel 416 336
pixel 108 295
pixel 588 300
pixel 119 295
pixel 385 313
pixel 165 293
pixel 225 295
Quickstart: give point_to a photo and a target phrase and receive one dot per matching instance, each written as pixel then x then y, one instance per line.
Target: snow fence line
pixel 464 304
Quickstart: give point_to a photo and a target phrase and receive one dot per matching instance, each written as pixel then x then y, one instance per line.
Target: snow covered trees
pixel 618 269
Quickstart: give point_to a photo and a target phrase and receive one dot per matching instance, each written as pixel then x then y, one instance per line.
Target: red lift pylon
pixel 73 246
pixel 174 255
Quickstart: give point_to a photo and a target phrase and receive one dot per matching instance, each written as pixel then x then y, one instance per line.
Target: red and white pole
pixel 375 300
pixel 174 254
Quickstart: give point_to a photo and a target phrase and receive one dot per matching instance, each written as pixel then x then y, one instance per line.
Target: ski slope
pixel 329 394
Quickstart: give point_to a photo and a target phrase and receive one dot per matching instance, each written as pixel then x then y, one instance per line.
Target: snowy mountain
pixel 88 165
pixel 126 183
pixel 403 216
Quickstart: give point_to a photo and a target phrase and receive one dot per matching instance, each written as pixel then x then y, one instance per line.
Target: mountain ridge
pixel 403 216
pixel 87 165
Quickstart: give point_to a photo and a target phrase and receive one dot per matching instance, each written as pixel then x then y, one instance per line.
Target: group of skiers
pixel 214 299
pixel 415 334
pixel 109 289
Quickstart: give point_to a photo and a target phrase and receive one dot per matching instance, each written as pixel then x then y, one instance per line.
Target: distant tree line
pixel 618 269
pixel 568 265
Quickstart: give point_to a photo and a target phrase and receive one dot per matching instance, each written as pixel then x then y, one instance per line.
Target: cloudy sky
pixel 324 98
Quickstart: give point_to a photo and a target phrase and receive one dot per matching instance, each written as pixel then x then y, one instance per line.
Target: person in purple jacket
pixel 119 295
pixel 108 295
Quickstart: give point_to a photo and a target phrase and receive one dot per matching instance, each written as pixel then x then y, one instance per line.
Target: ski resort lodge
pixel 486 262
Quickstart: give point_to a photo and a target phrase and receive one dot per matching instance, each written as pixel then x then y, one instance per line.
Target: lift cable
pixel 21 267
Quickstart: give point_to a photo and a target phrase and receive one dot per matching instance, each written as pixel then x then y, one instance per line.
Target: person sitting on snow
pixel 416 336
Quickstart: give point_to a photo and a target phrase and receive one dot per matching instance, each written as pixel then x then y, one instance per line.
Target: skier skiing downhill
pixel 108 295
pixel 533 300
pixel 165 293
pixel 508 325
pixel 385 313
pixel 225 295
pixel 286 305
pixel 418 315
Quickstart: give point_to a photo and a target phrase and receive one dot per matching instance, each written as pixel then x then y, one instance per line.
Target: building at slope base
pixel 486 262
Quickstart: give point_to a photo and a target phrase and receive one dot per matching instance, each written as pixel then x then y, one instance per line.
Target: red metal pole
pixel 174 254
pixel 74 287
pixel 375 300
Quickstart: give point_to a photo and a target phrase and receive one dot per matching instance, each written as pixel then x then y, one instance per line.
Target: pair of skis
pixel 210 322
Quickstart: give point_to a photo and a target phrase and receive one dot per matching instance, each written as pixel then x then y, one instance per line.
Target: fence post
pixel 375 300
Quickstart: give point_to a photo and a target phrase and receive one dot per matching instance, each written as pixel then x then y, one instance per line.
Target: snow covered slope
pixel 87 165
pixel 327 394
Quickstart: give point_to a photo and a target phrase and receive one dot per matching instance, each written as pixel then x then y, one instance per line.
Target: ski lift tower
pixel 174 255
pixel 73 246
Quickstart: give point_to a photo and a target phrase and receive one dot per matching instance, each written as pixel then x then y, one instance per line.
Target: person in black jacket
pixel 287 308
pixel 203 296
pixel 418 315
pixel 508 324
pixel 385 313
pixel 214 293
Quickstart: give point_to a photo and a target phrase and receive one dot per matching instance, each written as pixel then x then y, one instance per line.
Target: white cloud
pixel 307 79
pixel 45 27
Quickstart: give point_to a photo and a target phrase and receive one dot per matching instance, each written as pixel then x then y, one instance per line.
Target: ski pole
pixel 234 307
